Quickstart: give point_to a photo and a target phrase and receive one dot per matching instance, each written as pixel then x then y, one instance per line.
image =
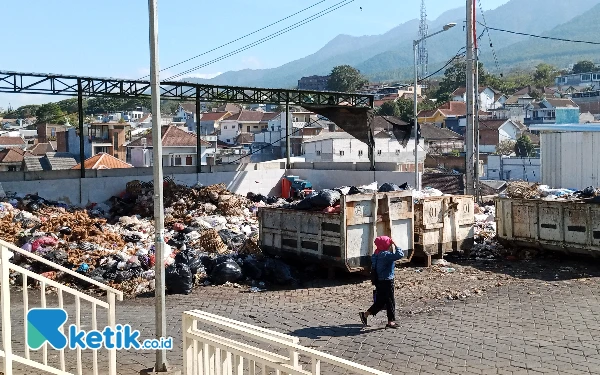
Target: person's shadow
pixel 344 330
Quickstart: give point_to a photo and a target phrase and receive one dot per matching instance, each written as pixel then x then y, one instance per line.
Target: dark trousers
pixel 385 299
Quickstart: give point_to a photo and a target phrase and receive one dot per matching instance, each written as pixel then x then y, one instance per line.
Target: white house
pixel 342 147
pixel 488 97
pixel 492 132
pixel 179 149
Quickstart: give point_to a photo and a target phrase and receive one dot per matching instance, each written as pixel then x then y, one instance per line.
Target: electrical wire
pixel 540 36
pixel 489 38
pixel 267 38
pixel 240 38
pixel 458 55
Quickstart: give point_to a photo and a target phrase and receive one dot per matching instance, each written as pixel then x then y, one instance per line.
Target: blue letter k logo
pixel 44 325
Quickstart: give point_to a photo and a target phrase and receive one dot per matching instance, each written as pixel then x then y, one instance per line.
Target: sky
pixel 109 38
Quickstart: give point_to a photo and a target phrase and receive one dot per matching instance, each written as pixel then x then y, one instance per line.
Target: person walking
pixel 383 262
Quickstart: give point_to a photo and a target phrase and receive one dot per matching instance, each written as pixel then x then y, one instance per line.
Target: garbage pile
pixel 485 244
pixel 211 238
pixel 525 190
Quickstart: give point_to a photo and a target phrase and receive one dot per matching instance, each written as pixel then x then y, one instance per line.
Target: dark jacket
pixel 385 263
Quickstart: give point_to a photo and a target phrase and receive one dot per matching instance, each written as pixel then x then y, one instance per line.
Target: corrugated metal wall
pixel 571 159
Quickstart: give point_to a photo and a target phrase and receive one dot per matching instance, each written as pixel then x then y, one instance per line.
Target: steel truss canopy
pixel 55 84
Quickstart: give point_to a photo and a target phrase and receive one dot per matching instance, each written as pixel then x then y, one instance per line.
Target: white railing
pixel 206 353
pixel 8 354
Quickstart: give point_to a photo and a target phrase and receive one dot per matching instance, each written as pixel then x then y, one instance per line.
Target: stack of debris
pixel 211 236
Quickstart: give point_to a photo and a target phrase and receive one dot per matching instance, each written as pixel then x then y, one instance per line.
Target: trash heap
pixel 526 190
pixel 211 236
pixel 486 245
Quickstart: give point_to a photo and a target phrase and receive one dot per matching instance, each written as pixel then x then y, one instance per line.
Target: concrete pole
pixel 416 127
pixel 476 126
pixel 80 118
pixel 288 143
pixel 160 317
pixel 470 131
pixel 198 138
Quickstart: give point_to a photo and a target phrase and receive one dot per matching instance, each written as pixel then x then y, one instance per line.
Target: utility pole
pixel 470 94
pixel 160 318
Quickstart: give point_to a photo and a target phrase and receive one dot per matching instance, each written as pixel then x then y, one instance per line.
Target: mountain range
pixel 389 56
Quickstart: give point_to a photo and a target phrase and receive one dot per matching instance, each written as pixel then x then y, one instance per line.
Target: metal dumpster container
pixel 565 226
pixel 343 239
pixel 443 224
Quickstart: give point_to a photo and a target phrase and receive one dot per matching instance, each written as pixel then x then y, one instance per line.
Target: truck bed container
pixel 343 239
pixel 553 225
pixel 443 224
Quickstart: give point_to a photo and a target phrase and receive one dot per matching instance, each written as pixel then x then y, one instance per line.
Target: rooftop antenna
pixel 423 55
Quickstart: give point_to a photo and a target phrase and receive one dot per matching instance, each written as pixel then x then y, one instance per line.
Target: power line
pixel 458 54
pixel 269 37
pixel 240 38
pixel 489 37
pixel 541 36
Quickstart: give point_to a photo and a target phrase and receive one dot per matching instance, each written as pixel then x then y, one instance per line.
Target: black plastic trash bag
pixel 191 258
pixel 252 268
pixel 304 204
pixel 325 198
pixel 354 190
pixel 179 279
pixel 226 271
pixel 232 239
pixel 278 272
pixel 388 186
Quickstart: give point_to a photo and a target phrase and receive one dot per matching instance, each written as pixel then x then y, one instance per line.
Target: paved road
pixel 533 326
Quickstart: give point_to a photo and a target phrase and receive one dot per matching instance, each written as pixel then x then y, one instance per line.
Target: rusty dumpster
pixel 342 239
pixel 566 226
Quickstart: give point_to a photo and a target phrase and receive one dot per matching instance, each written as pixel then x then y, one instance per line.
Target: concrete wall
pixel 264 178
pixel 512 169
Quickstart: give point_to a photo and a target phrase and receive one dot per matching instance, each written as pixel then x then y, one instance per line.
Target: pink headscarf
pixel 382 243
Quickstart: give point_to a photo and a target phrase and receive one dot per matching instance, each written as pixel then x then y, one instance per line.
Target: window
pixel 586 77
pixel 225 127
pixel 12 168
pixel 227 140
pixel 188 160
pixel 341 153
pixel 596 77
pixel 115 141
pixel 318 153
pixel 563 80
pixel 100 149
pixel 360 152
pixel 254 127
pixel 177 160
pixel 53 132
pixel 378 152
pixel 248 129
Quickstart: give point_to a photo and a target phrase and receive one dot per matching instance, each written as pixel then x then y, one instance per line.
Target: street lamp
pixel 415 44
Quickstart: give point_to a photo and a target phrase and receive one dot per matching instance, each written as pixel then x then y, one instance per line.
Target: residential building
pixel 179 148
pixel 440 141
pixel 488 97
pixel 228 107
pixel 103 161
pixel 438 116
pixel 69 142
pixel 342 147
pixel 11 159
pixel 210 122
pixel 492 132
pixel 244 122
pixel 551 111
pixel 12 142
pixel 588 79
pixel 187 111
pixel 47 132
pixel 52 161
pixel 109 138
pixel 313 83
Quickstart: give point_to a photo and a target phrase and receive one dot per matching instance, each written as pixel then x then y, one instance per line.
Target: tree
pixel 524 147
pixel 544 75
pixel 70 105
pixel 584 66
pixel 454 77
pixel 389 109
pixel 345 78
pixel 49 113
pixel 505 148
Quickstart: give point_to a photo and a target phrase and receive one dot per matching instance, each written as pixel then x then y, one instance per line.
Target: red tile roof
pixel 103 161
pixel 268 116
pixel 41 149
pixel 10 141
pixel 247 116
pixel 172 136
pixel 13 155
pixel 214 116
pixel 188 107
